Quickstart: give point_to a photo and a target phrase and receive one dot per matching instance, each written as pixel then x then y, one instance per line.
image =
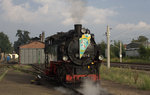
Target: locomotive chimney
pixel 78 28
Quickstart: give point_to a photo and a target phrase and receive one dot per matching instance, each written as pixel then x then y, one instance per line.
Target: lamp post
pixel 108 47
pixel 120 55
pixel 120 52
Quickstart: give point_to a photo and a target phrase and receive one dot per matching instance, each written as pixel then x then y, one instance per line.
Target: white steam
pixel 63 90
pixel 87 88
pixel 77 9
pixel 91 88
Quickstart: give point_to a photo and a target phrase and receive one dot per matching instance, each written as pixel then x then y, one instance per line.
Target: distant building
pixel 13 56
pixel 132 48
pixel 32 53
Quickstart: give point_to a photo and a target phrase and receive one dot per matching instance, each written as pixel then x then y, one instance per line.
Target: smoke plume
pixel 77 9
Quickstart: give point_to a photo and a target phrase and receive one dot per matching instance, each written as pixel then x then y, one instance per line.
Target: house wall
pixel 132 53
pixel 32 56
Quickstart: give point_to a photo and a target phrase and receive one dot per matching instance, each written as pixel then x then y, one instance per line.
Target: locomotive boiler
pixel 72 56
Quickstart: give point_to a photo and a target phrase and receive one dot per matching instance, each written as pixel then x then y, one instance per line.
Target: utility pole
pixel 108 47
pixel 120 52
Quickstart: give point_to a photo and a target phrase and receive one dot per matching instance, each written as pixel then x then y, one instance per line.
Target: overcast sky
pixel 127 18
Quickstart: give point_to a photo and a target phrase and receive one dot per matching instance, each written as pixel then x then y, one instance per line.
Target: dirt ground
pixel 18 83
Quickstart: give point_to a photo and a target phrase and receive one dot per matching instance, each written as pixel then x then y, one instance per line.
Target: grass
pixel 131 77
pixel 130 60
pixel 22 66
pixel 136 60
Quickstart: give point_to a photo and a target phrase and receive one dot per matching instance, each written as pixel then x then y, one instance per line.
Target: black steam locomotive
pixel 72 56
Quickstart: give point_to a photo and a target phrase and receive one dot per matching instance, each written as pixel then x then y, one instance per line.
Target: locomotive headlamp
pixel 83 30
pixel 100 57
pixel 65 58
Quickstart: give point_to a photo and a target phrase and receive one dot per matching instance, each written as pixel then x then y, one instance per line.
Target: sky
pixel 127 19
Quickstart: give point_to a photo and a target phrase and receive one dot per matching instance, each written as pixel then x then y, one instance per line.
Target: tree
pixel 23 38
pixel 5 44
pixel 26 37
pixel 144 52
pixel 141 39
pixel 115 49
pixel 102 47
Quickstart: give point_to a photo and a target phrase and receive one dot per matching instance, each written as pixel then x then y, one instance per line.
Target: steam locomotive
pixel 72 56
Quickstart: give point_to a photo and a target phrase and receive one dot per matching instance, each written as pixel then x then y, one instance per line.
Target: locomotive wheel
pixel 61 74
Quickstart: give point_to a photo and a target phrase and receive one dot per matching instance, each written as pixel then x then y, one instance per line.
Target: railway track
pixel 41 73
pixel 137 66
pixel 75 92
pixel 2 65
pixel 5 65
pixel 73 88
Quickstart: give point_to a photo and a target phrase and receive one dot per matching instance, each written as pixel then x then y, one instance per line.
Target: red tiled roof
pixel 35 44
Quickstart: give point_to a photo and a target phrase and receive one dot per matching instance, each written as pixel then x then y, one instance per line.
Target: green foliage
pixel 129 60
pixel 140 39
pixel 23 38
pixel 128 76
pixel 114 49
pixel 102 47
pixel 144 82
pixel 5 44
pixel 136 60
pixel 144 52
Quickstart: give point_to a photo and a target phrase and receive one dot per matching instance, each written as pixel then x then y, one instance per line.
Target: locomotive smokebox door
pixel 81 54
